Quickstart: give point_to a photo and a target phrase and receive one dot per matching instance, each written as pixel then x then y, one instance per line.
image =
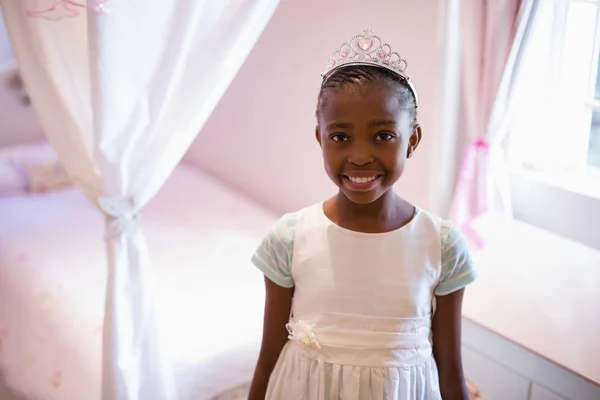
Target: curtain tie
pixel 121 215
pixel 480 144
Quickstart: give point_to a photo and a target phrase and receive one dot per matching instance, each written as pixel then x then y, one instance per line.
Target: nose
pixel 360 156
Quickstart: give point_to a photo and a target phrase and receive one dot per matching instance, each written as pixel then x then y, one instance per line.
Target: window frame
pixel 592 103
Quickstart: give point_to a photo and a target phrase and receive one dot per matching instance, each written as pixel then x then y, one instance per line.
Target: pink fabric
pixel 487 33
pixel 55 10
pixel 469 171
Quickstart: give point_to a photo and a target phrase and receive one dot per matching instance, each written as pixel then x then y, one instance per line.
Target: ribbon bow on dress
pixel 302 333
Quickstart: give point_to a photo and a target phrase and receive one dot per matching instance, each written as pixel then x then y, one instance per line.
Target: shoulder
pixel 288 224
pixel 451 236
pixel 280 237
pixel 275 253
pixel 457 269
pixel 426 227
pixel 446 233
pixel 285 227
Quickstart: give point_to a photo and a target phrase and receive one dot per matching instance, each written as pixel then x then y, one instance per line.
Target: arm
pixel 457 272
pixel 277 311
pixel 447 345
pixel 274 258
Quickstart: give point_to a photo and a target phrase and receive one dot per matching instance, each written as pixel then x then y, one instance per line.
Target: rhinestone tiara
pixel 368 49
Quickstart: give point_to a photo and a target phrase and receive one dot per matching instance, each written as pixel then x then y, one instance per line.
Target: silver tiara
pixel 368 49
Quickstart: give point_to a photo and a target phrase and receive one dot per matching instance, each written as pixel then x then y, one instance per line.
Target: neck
pixel 382 209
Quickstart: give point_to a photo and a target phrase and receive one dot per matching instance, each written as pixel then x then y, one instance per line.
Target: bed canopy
pixel 122 88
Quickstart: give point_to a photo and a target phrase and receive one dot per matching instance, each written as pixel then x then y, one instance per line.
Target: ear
pixel 318 136
pixel 414 140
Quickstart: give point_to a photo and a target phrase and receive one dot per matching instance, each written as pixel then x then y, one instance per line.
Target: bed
pixel 209 297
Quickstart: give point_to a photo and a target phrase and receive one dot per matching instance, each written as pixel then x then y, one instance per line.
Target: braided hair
pixel 361 74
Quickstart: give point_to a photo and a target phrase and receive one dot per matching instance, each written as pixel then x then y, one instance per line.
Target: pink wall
pixel 17 123
pixel 260 139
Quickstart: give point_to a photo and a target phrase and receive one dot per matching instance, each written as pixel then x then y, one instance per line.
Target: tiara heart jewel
pixel 368 49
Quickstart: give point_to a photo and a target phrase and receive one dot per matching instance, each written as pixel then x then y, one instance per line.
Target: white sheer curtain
pixel 556 94
pixel 490 39
pixel 496 188
pixel 121 95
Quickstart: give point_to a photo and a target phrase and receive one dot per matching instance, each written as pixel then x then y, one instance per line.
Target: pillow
pixel 28 153
pixel 32 167
pixel 49 177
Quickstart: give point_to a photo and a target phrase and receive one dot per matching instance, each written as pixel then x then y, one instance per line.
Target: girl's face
pixel 366 136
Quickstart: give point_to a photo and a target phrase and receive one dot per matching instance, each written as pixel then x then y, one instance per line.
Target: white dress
pixel 360 327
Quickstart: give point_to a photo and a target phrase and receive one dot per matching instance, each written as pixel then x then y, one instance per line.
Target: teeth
pixel 362 180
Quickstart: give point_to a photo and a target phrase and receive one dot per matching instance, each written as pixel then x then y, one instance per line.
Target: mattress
pixel 209 297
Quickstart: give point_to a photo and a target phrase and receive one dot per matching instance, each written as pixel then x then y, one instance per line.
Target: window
pixel 554 142
pixel 594 137
pixel 556 121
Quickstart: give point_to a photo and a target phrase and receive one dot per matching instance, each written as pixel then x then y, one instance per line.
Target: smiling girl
pixel 363 290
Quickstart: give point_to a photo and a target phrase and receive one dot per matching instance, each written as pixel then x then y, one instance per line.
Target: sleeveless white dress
pixel 360 326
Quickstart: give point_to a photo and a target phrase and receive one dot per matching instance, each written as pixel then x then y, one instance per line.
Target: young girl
pixel 363 290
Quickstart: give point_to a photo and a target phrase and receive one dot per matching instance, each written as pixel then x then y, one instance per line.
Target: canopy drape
pixel 121 92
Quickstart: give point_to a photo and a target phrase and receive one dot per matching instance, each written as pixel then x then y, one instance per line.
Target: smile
pixel 361 183
pixel 361 179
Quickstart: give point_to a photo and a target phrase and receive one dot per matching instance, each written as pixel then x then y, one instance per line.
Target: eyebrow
pixel 344 125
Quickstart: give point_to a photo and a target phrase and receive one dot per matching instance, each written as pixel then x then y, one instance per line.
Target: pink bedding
pixel 52 274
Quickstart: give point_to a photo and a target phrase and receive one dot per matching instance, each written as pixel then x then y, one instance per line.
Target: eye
pixel 339 137
pixel 384 136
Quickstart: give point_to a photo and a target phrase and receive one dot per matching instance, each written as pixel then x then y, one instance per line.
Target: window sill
pixel 567 206
pixel 540 291
pixel 586 184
